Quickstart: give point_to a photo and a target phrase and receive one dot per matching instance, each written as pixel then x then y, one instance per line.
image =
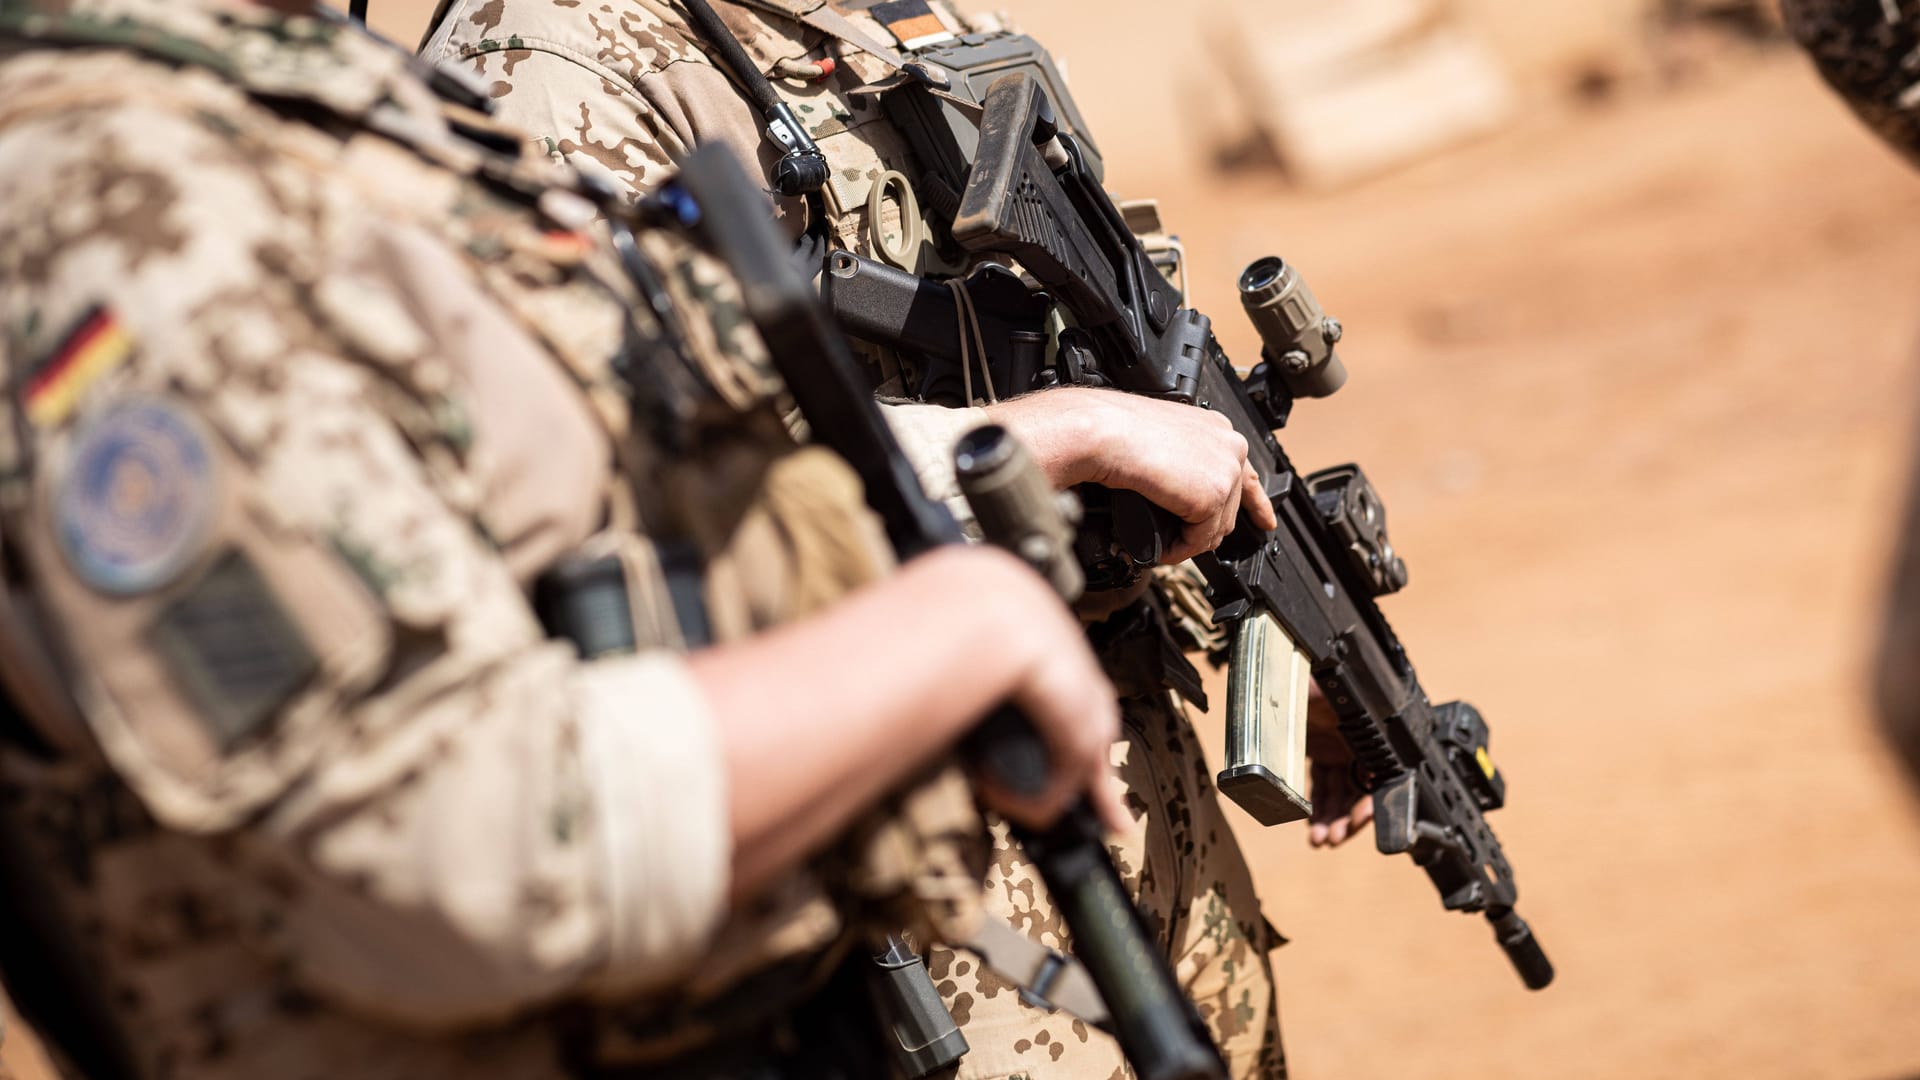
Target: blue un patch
pixel 137 502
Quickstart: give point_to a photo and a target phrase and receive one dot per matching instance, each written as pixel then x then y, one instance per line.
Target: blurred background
pixel 1633 314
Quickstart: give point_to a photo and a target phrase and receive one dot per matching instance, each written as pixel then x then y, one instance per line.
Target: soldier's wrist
pixel 1064 429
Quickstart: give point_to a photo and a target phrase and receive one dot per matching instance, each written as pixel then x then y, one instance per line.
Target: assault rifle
pixel 1029 194
pixel 1156 1025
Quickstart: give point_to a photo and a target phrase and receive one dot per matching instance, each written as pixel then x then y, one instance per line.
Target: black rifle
pixel 1157 1027
pixel 1031 195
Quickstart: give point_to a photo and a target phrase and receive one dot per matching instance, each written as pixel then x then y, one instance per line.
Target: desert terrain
pixel 1636 378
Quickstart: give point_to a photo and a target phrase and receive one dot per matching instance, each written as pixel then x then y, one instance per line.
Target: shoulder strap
pixel 827 19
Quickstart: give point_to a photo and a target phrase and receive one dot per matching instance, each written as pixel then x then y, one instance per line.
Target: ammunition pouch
pixel 1137 647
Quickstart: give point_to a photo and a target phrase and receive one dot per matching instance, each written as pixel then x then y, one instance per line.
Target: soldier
pixel 628 87
pixel 1866 50
pixel 313 386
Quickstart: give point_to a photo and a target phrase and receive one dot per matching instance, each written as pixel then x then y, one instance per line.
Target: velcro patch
pixel 136 505
pixel 98 345
pixel 912 22
pixel 234 653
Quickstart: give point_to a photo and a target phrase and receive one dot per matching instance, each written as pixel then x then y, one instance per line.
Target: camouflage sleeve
pixel 259 503
pixel 1865 50
pixel 580 117
pixel 927 436
pixel 629 105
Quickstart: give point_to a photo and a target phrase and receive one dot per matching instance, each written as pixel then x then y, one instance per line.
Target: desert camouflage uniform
pixel 305 391
pixel 1866 50
pixel 625 86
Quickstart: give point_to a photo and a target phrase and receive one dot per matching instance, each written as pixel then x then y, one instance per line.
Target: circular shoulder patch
pixel 138 500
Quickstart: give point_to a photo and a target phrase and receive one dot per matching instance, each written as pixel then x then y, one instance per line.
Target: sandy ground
pixel 1636 386
pixel 1636 381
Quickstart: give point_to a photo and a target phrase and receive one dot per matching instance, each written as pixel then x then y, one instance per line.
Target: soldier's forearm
pixel 807 743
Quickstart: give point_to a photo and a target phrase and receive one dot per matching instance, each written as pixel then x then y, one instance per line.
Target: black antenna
pixel 803 170
pixel 357 11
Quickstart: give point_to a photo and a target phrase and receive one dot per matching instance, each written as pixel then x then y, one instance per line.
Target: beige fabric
pixel 666 841
pixel 927 436
pixel 369 398
pixel 1181 863
pixel 628 85
pixel 620 86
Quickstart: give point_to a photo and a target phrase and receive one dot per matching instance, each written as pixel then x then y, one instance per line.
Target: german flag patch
pixel 912 22
pixel 97 346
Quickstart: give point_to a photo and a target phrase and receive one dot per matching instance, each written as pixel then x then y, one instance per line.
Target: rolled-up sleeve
pixel 662 801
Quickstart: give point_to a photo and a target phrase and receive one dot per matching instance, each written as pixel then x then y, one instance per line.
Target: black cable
pixel 802 170
pixel 357 10
pixel 715 31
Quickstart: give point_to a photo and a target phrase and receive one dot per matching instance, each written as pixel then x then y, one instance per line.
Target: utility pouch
pixel 584 601
pixel 616 599
pixel 1137 649
pixel 1266 756
pixel 922 1037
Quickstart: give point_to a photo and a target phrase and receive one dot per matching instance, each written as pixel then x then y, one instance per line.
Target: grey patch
pixel 232 650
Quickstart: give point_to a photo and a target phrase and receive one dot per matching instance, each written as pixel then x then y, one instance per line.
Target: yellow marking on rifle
pixel 1486 762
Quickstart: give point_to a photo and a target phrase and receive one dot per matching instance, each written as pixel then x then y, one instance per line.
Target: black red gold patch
pixel 98 345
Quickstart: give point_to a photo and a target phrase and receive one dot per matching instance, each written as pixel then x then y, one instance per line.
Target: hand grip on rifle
pixel 1029 195
pixel 1153 1020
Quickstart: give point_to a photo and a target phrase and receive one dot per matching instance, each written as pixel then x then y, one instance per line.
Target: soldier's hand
pixel 1186 460
pixel 1340 807
pixel 1060 686
pixel 818 718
